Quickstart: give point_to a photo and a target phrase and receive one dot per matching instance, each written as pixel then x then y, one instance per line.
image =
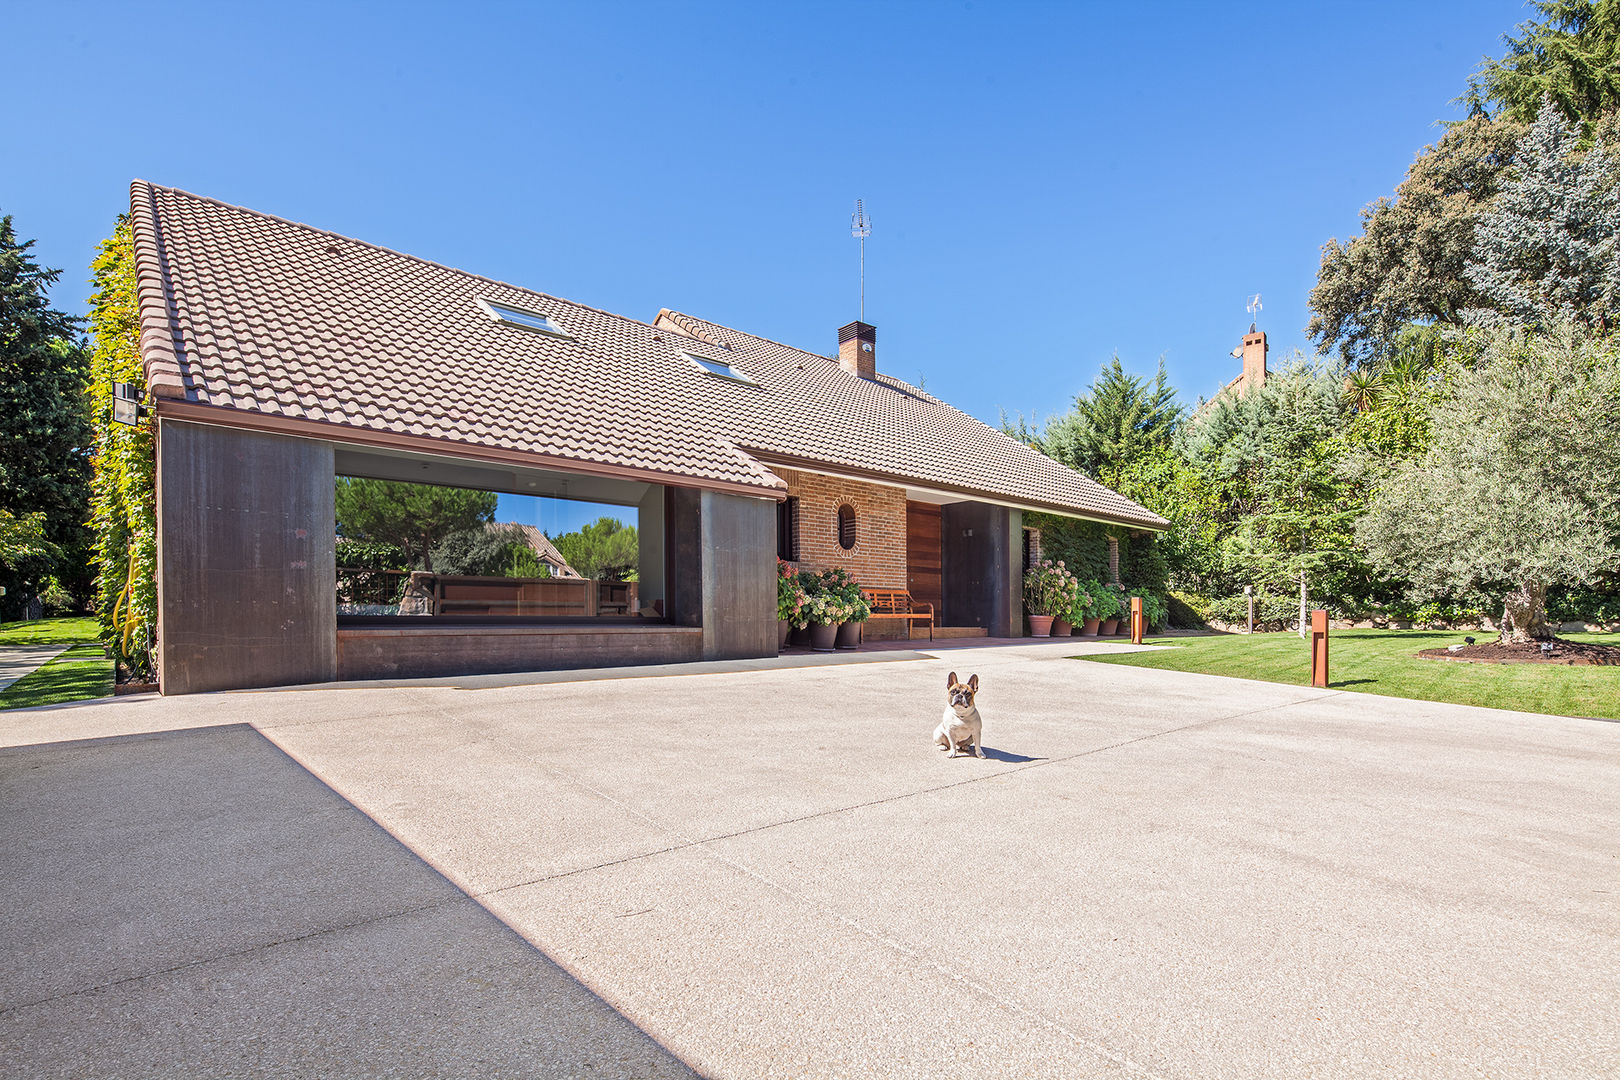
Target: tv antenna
pixel 860 227
pixel 1254 312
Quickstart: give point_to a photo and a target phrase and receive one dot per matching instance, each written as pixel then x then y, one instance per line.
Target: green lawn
pixel 84 671
pixel 68 631
pixel 1386 662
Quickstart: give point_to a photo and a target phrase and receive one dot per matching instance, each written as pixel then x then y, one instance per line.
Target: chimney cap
pixel 857 331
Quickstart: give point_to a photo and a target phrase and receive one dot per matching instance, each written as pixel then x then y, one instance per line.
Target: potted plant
pixel 1092 608
pixel 1111 621
pixel 824 612
pixel 837 582
pixel 790 598
pixel 1106 607
pixel 1080 619
pixel 1048 588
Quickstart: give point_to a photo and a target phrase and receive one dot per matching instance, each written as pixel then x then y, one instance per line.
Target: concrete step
pixel 920 633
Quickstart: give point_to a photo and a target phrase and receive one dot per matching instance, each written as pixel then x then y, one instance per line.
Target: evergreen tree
pixel 44 426
pixel 415 518
pixel 605 550
pixel 1571 59
pixel 1116 421
pixel 1545 250
pixel 1278 461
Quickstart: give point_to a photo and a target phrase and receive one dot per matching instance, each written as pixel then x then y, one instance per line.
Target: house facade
pixel 279 357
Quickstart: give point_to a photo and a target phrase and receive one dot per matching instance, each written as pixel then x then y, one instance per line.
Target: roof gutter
pixel 853 472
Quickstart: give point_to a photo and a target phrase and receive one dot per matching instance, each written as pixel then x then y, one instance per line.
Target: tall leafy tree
pixel 1116 421
pixel 1571 57
pixel 1545 250
pixel 415 518
pixel 1407 266
pixel 1516 492
pixel 44 423
pixel 606 549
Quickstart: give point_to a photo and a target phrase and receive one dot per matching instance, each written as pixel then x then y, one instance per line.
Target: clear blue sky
pixel 1049 182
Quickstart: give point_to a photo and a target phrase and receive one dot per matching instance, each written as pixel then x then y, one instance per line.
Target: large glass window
pixel 411 550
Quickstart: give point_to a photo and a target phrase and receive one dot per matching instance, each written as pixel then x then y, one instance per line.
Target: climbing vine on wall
pixel 123 498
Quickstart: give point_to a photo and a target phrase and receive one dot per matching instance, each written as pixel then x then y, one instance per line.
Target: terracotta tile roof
pixel 244 311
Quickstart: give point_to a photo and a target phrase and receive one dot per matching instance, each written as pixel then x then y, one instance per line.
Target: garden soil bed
pixel 1563 652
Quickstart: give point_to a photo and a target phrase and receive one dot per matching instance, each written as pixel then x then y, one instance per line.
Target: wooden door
pixel 922 554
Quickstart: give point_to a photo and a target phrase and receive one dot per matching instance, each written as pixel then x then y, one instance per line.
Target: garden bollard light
pixel 1319 648
pixel 1138 621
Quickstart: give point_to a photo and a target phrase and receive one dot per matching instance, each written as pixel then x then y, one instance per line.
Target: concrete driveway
pixel 769 872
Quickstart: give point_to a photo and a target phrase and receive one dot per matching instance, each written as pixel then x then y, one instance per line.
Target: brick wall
pixel 878 559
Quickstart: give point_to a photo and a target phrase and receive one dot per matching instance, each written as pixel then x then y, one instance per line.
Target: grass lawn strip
pixel 63 631
pixel 1386 662
pixel 84 671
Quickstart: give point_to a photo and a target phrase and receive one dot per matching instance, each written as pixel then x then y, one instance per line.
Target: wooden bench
pixel 898 604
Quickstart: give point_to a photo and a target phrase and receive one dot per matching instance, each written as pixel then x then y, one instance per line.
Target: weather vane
pixel 860 227
pixel 1254 311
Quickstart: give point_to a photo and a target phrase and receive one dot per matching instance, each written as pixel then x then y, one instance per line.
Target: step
pixel 942 632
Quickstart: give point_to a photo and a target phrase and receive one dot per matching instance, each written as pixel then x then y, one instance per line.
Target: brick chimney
pixel 1254 360
pixel 857 349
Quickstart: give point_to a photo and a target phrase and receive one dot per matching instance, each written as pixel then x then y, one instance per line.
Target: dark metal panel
pixel 739 577
pixel 245 559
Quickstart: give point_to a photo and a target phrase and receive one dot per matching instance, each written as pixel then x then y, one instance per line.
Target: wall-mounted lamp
pixel 127 407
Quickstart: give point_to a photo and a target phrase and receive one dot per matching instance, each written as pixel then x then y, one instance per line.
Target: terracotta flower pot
pixel 1089 627
pixel 849 635
pixel 1062 627
pixel 1040 626
pixel 1110 627
pixel 823 636
pixel 784 630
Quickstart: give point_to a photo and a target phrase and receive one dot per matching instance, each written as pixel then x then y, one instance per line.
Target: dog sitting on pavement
pixel 962 726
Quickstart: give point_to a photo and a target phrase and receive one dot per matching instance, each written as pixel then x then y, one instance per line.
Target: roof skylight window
pixel 720 368
pixel 531 320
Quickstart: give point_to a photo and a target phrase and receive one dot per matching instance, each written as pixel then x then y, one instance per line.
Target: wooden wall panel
pixel 922 554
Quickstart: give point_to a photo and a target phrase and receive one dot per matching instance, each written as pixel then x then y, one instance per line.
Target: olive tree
pixel 1516 492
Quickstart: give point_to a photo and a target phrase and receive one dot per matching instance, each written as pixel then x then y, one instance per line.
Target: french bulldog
pixel 961 727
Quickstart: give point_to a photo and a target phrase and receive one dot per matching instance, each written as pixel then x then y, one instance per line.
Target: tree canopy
pixel 1113 422
pixel 44 426
pixel 415 518
pixel 1571 58
pixel 1544 251
pixel 605 550
pixel 1408 264
pixel 1516 491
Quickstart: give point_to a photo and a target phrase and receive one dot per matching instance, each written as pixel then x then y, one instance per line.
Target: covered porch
pixel 250 593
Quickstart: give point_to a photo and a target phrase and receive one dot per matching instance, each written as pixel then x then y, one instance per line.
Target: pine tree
pixel 1115 422
pixel 44 426
pixel 1545 251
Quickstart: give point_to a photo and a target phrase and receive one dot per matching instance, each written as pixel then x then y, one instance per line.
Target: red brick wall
pixel 878 559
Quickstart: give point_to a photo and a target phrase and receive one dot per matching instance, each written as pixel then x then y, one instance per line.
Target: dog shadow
pixel 992 754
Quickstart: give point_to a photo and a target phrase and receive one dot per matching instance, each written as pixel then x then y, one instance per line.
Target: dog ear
pixel 973 683
pixel 950 680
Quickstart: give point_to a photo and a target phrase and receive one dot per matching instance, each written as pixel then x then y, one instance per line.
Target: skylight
pixel 720 368
pixel 532 320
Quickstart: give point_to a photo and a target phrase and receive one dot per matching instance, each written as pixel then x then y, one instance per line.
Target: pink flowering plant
pixel 790 594
pixel 1049 588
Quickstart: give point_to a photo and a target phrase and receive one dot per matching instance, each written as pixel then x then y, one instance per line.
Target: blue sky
pixel 1049 183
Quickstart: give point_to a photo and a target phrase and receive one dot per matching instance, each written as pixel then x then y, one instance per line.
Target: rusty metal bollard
pixel 1319 648
pixel 1138 621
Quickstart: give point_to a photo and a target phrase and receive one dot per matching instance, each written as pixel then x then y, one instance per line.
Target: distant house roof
pixel 543 549
pixel 252 320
